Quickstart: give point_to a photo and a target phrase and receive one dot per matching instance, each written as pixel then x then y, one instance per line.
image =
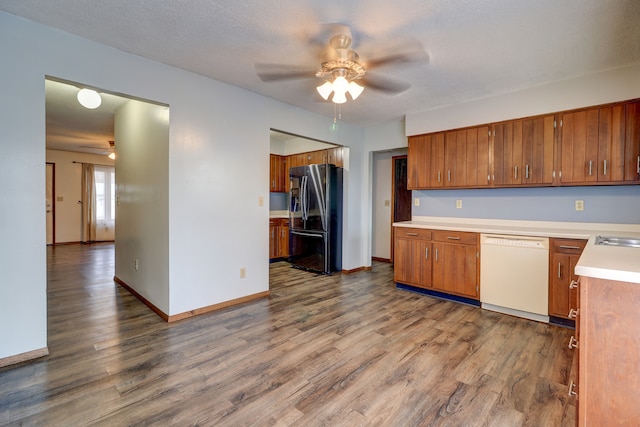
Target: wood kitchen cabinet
pixel 608 341
pixel 425 161
pixel 563 257
pixel 278 173
pixel 466 158
pixel 334 156
pixel 523 152
pixel 278 238
pixel 412 257
pixel 600 145
pixel 455 263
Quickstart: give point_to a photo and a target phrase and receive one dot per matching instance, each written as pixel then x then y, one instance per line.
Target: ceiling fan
pixel 342 69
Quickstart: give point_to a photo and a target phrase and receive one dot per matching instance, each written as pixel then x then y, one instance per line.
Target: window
pixel 105 192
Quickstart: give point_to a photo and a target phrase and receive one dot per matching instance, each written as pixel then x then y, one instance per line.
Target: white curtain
pixel 98 203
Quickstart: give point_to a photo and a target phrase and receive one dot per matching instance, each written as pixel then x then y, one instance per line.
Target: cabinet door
pixel 579 150
pixel 273 241
pixel 455 269
pixel 418 162
pixel 334 156
pixel 507 143
pixel 538 136
pixel 611 143
pixel 273 161
pixel 283 241
pixel 477 156
pixel 559 294
pixel 407 258
pixel 632 142
pixel 455 158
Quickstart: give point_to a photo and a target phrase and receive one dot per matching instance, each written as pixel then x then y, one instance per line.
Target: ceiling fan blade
pixel 384 84
pixel 405 50
pixel 274 72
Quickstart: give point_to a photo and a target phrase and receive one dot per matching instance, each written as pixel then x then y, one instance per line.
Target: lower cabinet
pixel 278 238
pixel 412 257
pixel 563 257
pixel 444 261
pixel 455 263
pixel 608 340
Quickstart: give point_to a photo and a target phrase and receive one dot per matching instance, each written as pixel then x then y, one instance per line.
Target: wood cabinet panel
pixel 278 238
pixel 455 269
pixel 632 142
pixel 563 257
pixel 278 173
pixel 412 257
pixel 609 353
pixel 523 152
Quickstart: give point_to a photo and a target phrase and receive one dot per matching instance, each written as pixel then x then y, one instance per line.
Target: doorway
pixel 401 196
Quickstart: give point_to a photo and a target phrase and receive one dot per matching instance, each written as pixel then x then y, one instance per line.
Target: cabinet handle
pixel 412 234
pixel 426 253
pixel 559 271
pixel 453 238
pixel 273 184
pixel 573 284
pixel 438 176
pixel 573 313
pixel 572 387
pixel 488 178
pixel 436 254
pixel 569 247
pixel 573 342
pixel 449 175
pixel 526 171
pixel 638 165
pixel 605 168
pixel 272 235
pixel 590 167
pixel 515 175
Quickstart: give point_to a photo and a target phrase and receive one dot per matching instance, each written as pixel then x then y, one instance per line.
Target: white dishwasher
pixel 514 275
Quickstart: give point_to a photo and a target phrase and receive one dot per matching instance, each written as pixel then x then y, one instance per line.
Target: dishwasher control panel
pixel 520 242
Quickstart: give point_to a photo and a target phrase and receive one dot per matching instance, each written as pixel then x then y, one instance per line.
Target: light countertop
pixel 604 262
pixel 279 214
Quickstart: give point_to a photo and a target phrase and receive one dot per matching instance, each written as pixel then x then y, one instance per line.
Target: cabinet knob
pixel 573 342
pixel 572 391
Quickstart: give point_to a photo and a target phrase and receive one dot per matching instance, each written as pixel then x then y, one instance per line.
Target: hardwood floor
pixel 341 350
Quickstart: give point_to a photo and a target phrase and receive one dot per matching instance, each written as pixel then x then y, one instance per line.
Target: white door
pixel 50 204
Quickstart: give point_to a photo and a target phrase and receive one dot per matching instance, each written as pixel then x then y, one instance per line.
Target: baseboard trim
pixel 218 306
pixel 355 270
pixel 375 258
pixel 191 313
pixel 24 357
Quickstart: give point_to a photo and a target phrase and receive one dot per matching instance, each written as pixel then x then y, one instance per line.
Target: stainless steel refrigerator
pixel 315 218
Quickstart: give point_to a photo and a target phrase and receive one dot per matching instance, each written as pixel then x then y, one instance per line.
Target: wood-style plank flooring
pixel 341 350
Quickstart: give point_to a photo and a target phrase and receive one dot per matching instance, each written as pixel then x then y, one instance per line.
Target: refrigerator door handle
pixel 303 198
pixel 298 233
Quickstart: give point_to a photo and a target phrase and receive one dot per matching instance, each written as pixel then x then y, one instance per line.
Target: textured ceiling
pixel 476 48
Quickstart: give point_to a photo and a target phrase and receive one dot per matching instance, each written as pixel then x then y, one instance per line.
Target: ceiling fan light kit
pixel 89 98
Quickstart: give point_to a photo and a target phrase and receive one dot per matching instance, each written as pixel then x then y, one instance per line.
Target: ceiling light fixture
pixel 112 155
pixel 342 65
pixel 89 98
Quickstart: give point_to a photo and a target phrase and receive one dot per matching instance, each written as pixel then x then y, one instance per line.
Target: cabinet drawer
pixel 568 246
pixel 458 237
pixel 416 233
pixel 277 222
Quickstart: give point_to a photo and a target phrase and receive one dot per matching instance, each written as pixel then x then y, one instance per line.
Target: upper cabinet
pixel 523 152
pixel 600 145
pixel 592 146
pixel 453 159
pixel 277 168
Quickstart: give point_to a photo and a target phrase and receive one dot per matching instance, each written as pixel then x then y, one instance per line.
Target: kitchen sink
pixel 618 241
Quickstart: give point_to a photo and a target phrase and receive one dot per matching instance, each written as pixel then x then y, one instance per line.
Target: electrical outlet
pixel 579 205
pixel 459 204
pixel 136 265
pixel 243 272
pixel 416 201
pixel 387 202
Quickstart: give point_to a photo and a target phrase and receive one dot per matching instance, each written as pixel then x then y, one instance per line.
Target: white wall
pixel 618 84
pixel 68 181
pixel 218 168
pixel 141 132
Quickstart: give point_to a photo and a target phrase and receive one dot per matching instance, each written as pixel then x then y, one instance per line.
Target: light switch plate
pixel 459 204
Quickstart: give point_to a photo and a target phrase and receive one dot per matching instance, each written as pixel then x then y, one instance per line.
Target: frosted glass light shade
pixel 112 155
pixel 89 98
pixel 339 97
pixel 325 90
pixel 355 90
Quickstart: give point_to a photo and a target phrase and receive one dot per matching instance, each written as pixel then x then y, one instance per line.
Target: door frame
pixel 53 202
pixel 393 200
